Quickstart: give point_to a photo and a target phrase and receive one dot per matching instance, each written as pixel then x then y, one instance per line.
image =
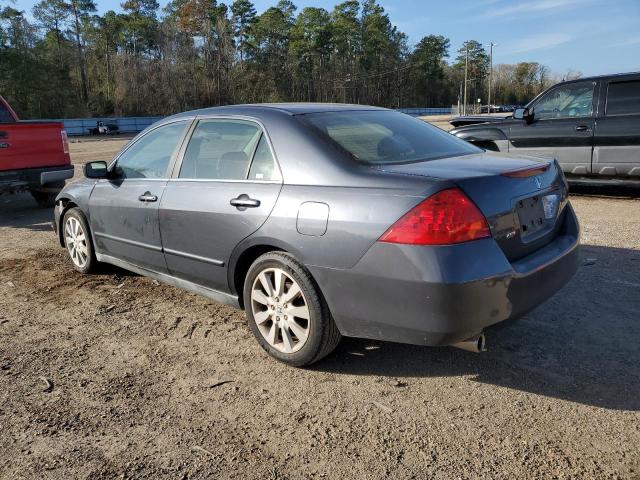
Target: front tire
pixel 77 240
pixel 286 311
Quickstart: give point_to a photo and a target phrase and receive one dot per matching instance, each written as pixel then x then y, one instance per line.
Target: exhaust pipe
pixel 474 344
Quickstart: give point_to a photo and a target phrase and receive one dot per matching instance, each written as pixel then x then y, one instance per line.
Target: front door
pixel 562 127
pixel 124 209
pixel 224 190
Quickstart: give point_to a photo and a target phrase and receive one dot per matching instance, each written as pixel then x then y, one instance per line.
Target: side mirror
pixel 95 170
pixel 523 114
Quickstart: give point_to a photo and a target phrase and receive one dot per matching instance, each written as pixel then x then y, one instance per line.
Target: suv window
pixel 149 157
pixel 220 149
pixel 623 98
pixel 5 116
pixel 566 101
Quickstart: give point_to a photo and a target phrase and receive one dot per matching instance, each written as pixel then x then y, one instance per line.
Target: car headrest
pixel 234 157
pixel 395 146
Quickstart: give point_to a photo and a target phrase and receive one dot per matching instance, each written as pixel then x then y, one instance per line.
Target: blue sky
pixel 590 36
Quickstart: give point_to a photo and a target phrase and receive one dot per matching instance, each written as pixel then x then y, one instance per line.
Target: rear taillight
pixel 447 217
pixel 65 141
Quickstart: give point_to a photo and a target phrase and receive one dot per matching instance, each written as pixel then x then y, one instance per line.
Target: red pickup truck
pixel 34 156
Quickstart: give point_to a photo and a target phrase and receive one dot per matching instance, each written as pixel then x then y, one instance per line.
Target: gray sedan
pixel 324 221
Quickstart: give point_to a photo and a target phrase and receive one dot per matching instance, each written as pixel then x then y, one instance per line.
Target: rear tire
pixel 286 311
pixel 44 199
pixel 77 240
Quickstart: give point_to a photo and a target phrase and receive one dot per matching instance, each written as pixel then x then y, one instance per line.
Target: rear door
pixel 223 191
pixel 617 136
pixel 562 127
pixel 124 210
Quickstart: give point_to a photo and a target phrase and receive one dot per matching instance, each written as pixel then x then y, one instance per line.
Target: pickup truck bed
pixel 34 156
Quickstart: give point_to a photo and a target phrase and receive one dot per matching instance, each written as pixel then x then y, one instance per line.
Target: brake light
pixel 65 141
pixel 445 218
pixel 526 172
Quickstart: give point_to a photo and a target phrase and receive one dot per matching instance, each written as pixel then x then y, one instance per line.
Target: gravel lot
pixel 115 376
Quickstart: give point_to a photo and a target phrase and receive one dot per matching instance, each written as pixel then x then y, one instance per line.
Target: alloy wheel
pixel 280 310
pixel 76 240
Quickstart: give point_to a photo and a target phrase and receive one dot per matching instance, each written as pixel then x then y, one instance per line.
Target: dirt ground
pixel 115 376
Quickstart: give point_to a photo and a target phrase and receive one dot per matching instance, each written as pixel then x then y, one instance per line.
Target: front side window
pixel 385 137
pixel 567 101
pixel 149 157
pixel 623 98
pixel 221 149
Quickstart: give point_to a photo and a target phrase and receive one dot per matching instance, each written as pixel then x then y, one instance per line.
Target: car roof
pixel 288 108
pixel 602 77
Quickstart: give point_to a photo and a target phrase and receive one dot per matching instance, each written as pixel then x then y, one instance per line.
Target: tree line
pixel 65 60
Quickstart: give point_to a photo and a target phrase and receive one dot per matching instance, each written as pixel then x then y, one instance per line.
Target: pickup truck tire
pixel 44 199
pixel 77 240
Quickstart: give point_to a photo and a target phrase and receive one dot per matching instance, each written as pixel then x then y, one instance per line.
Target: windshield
pixel 386 137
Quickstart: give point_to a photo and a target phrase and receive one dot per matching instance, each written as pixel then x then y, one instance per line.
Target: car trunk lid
pixel 522 197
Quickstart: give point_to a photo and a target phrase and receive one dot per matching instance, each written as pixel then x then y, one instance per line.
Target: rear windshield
pixel 5 116
pixel 386 137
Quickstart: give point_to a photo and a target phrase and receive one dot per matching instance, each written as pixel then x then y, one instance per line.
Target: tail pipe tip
pixel 474 344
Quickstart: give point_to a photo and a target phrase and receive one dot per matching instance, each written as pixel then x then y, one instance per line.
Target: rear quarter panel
pixel 357 217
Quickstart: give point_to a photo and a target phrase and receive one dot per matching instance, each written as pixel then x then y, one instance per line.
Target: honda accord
pixel 324 220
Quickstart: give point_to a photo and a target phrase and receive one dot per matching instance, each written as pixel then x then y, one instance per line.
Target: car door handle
pixel 147 197
pixel 582 128
pixel 5 145
pixel 243 202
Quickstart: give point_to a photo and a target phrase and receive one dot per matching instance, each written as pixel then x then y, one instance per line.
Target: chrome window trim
pixel 218 180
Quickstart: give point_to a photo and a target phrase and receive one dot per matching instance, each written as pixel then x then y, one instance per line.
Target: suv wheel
pixel 286 311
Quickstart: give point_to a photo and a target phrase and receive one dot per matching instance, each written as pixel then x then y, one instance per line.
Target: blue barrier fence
pixel 83 126
pixel 420 112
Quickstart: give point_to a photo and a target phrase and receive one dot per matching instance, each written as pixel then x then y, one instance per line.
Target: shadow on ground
pixel 21 211
pixel 605 190
pixel 581 346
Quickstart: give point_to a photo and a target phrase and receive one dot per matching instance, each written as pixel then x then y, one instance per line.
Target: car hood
pixel 467 166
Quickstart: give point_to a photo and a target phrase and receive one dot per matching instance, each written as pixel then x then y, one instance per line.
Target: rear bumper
pixel 56 176
pixel 34 178
pixel 442 295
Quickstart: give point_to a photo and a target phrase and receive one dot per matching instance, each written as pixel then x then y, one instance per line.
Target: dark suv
pixel 591 126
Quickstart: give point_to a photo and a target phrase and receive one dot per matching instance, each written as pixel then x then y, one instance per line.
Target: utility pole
pixel 491 45
pixel 466 67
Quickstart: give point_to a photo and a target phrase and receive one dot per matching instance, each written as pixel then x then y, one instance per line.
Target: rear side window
pixel 263 166
pixel 5 116
pixel 386 137
pixel 623 98
pixel 220 150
